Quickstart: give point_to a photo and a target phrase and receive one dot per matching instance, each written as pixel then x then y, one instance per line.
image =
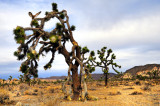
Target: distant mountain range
pixel 94 76
pixel 137 70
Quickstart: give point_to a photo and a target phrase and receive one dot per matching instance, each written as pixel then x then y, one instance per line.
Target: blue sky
pixel 129 27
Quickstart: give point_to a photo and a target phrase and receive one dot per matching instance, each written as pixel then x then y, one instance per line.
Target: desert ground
pixel 117 93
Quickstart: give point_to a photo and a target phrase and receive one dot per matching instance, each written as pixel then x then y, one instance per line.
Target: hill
pixel 141 70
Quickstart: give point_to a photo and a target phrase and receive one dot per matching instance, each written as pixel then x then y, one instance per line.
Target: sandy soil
pixel 116 94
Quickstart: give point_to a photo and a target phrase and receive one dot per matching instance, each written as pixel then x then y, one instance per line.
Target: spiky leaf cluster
pixel 62 15
pixel 90 68
pixel 53 38
pixel 19 34
pixel 73 28
pixel 34 23
pixel 84 50
pixel 54 7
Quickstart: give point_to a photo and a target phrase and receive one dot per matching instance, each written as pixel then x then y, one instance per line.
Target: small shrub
pixel 146 88
pixel 35 90
pixel 51 90
pixel 23 87
pixel 136 93
pixel 4 96
pixel 138 83
pixel 92 98
pixel 34 93
pixel 40 92
pixel 27 92
pixel 114 93
pixel 18 94
pixel 13 83
pixel 128 88
pixel 52 102
pixel 99 84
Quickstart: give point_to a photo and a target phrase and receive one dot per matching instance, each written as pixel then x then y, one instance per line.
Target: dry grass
pixel 28 92
pixel 136 93
pixel 4 96
pixel 117 93
pixel 114 93
pixel 50 89
pixel 146 88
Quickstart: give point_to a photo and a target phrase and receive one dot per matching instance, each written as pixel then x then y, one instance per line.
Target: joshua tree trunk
pixel 106 79
pixel 76 83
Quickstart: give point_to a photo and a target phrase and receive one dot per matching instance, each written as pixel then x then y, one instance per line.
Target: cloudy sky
pixel 130 27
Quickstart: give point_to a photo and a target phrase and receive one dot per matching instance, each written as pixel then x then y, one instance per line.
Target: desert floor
pixel 118 93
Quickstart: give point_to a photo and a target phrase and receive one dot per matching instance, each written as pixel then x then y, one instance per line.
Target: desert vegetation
pixel 78 88
pixel 49 92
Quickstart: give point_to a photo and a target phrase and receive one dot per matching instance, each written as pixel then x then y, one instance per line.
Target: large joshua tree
pixel 53 41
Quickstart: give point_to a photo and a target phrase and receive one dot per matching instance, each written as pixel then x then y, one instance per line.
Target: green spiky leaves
pixel 84 50
pixel 24 68
pixel 19 55
pixel 53 38
pixel 46 13
pixel 109 51
pixel 113 56
pixel 32 54
pixel 90 68
pixel 19 31
pixel 34 23
pixel 54 7
pixel 44 38
pixel 19 34
pixel 16 53
pixel 73 28
pixel 105 70
pixel 47 66
pixel 59 28
pixel 92 53
pixel 62 15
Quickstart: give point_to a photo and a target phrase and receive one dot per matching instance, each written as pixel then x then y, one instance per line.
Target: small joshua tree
pixel 155 74
pixel 53 41
pixel 3 82
pixel 10 78
pixel 106 59
pixel 21 79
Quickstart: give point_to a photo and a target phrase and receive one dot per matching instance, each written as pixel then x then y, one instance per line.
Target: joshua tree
pixel 155 74
pixel 150 75
pixel 21 78
pixel 105 60
pixel 53 41
pixel 3 82
pixel 10 78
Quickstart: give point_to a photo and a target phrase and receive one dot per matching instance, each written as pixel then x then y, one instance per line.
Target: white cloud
pixel 144 30
pixel 126 35
pixel 6 55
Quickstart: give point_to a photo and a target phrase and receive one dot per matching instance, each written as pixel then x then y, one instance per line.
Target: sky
pixel 129 27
